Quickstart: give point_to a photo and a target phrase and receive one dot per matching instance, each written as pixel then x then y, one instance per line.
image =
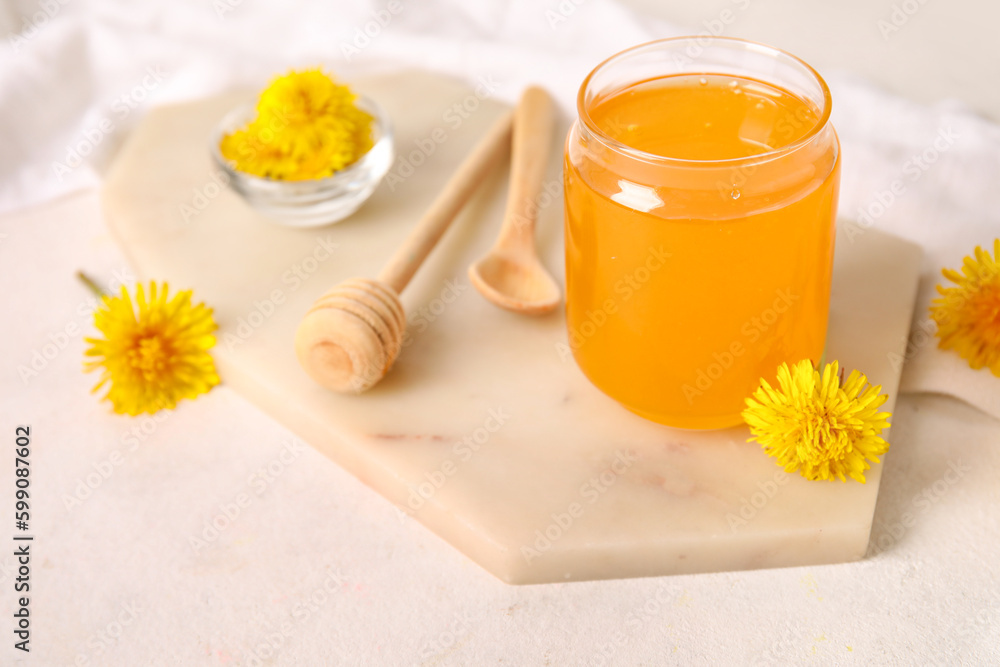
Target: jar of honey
pixel 701 183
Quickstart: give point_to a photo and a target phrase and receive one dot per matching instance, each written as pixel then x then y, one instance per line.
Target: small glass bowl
pixel 315 202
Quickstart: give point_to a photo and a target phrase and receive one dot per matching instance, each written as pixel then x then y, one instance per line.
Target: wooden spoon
pixel 510 274
pixel 352 334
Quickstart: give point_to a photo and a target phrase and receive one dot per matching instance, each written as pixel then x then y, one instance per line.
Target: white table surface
pixel 400 595
pixel 320 570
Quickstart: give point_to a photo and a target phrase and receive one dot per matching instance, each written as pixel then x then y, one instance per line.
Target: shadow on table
pixel 934 448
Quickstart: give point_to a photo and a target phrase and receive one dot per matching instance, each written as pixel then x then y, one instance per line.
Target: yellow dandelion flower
pixel 968 315
pixel 249 151
pixel 153 353
pixel 814 424
pixel 307 126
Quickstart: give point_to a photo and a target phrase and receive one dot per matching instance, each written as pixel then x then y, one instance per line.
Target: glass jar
pixel 701 183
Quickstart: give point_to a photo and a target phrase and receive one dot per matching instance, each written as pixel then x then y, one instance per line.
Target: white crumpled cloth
pixel 76 76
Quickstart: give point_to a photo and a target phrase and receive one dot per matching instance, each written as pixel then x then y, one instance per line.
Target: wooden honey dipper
pixel 352 334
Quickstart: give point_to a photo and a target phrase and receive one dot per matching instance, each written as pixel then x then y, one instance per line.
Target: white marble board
pixel 485 431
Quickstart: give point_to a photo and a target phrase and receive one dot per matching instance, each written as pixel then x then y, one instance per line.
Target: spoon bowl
pixel 515 282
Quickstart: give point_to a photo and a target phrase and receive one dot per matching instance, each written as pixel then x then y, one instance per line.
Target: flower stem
pixel 89 282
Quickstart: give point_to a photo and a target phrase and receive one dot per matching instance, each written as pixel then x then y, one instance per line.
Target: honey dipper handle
pixel 530 155
pixel 408 258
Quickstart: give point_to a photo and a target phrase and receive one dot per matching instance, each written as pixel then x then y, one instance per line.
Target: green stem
pixel 89 282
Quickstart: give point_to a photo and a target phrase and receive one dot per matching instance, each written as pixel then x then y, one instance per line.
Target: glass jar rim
pixel 588 123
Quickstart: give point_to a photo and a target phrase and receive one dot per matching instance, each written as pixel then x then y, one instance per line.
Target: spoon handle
pixel 533 123
pixel 410 255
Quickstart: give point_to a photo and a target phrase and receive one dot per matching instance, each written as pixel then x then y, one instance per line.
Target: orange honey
pixel 699 239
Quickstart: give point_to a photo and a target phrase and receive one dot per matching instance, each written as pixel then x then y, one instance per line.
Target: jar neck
pixel 705 56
